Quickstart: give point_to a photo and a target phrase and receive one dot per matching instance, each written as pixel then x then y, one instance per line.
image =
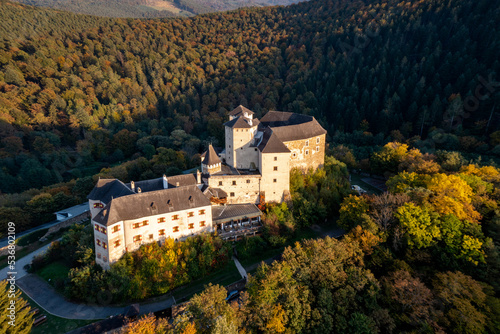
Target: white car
pixel 358 189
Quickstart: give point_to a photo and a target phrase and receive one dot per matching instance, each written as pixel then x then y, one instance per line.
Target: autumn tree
pixel 23 319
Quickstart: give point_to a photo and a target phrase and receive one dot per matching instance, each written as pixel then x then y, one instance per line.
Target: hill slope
pixel 150 8
pixel 81 84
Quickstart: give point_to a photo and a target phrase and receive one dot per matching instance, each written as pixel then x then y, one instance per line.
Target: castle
pixel 254 167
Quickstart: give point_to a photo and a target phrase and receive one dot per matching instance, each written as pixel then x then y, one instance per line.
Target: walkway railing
pixel 239 232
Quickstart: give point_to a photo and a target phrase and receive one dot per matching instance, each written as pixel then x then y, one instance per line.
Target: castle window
pixel 137 238
pixel 275 180
pixel 275 168
pixel 201 212
pixel 248 181
pixel 175 229
pixel 104 245
pixel 161 220
pixel 98 205
pixel 151 236
pixel 175 217
pixel 275 158
pixel 96 227
pixel 202 223
pixel 98 255
pixel 231 194
pixel 145 223
pixel 255 149
pixel 317 148
pixel 191 226
pixel 190 214
pixel 161 232
pixel 116 228
pixel 307 142
pixel 105 259
pixel 317 140
pixel 103 230
pixel 220 183
pixel 234 183
pixel 307 152
pixel 117 243
pixel 136 225
pixel 294 155
pixel 98 242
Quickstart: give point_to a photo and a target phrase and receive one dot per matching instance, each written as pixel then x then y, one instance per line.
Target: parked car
pixel 358 189
pixel 232 295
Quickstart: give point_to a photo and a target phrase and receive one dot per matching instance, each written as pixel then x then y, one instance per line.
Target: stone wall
pixel 68 222
pixel 307 153
pixel 246 188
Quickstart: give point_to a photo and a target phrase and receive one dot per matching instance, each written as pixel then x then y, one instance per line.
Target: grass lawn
pixel 225 276
pixel 258 258
pixel 54 325
pixel 54 271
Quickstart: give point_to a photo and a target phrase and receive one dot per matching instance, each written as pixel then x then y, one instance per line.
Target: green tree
pixel 420 229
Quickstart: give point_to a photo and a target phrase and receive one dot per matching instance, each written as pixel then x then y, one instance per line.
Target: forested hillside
pixel 78 93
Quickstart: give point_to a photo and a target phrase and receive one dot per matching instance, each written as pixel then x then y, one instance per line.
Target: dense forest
pixel 150 8
pixel 81 93
pixel 420 258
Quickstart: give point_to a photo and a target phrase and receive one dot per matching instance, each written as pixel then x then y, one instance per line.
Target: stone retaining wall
pixel 67 222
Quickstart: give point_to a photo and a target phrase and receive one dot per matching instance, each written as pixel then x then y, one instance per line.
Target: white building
pixel 253 168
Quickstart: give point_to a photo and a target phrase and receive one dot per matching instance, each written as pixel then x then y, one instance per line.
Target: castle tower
pixel 240 134
pixel 211 163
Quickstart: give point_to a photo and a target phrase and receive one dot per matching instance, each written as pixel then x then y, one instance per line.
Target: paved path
pixel 21 263
pixel 242 270
pixel 52 302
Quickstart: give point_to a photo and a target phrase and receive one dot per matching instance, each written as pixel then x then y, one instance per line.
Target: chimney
pixel 132 185
pixel 198 177
pixel 139 190
pixel 165 182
